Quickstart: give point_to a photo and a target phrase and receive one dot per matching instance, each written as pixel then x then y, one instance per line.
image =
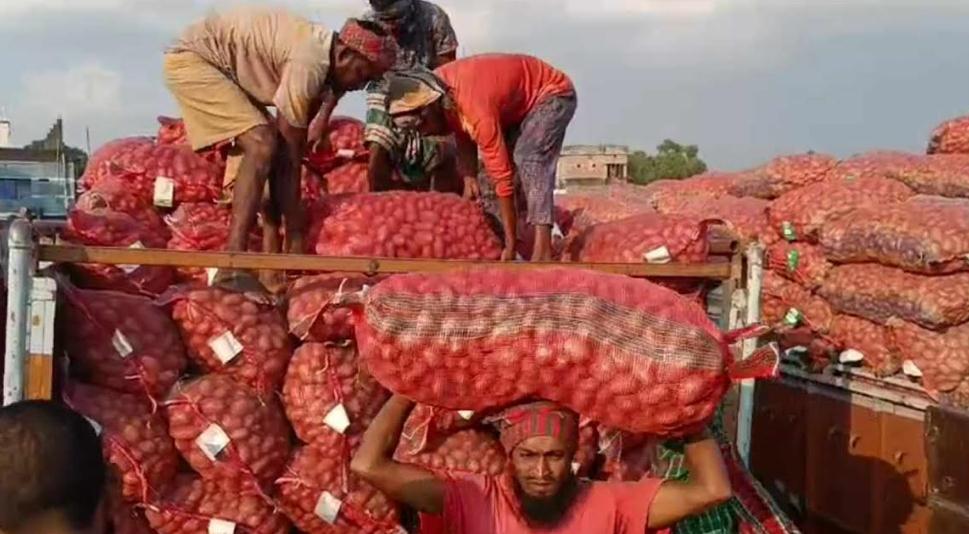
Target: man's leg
pixel 536 155
pixel 258 146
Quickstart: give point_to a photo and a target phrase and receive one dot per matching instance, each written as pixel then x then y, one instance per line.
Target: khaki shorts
pixel 215 109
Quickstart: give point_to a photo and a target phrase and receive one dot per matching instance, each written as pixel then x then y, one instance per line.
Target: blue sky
pixel 744 79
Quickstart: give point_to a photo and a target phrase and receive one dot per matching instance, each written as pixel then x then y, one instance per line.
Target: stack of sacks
pixel 783 175
pixel 650 238
pixel 950 137
pixel 338 165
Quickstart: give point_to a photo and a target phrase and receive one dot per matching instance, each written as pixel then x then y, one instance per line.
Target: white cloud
pixel 85 89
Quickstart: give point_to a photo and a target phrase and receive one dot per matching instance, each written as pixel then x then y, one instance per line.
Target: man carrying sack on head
pixel 227 69
pixel 539 493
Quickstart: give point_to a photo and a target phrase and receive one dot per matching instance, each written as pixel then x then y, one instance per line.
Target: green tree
pixel 672 161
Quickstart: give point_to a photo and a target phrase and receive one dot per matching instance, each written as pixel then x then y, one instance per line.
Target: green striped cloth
pixel 719 520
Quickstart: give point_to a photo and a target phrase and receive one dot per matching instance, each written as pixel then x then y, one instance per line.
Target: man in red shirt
pixel 514 110
pixel 539 493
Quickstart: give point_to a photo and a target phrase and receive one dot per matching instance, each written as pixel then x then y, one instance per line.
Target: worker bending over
pixel 514 110
pixel 52 473
pixel 400 158
pixel 227 69
pixel 539 493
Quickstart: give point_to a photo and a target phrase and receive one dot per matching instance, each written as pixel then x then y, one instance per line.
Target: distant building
pixel 592 165
pixel 41 177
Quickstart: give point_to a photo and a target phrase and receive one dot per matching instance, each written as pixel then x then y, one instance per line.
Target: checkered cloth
pixel 752 510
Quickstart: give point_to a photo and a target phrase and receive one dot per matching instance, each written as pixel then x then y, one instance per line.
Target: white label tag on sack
pixel 793 317
pixel 328 507
pixel 466 414
pixel 658 255
pixel 95 425
pixel 121 344
pixel 210 274
pixel 129 268
pixel 851 356
pixel 910 369
pixel 164 192
pixel 225 346
pixel 345 153
pixel 221 526
pixel 338 419
pixel 213 441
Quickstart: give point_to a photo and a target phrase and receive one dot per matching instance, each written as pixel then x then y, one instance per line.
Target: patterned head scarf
pixel 371 42
pixel 412 90
pixel 391 10
pixel 542 418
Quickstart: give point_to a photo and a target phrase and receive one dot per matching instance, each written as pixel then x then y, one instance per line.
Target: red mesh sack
pixel 112 216
pixel 877 293
pixel 227 433
pixel 122 342
pixel 348 178
pixel 590 209
pixel 869 340
pixel 99 160
pixel 171 131
pixel 345 144
pixel 944 175
pixel 648 237
pixel 784 302
pixel 950 137
pixel 747 217
pixel 321 496
pixel 165 175
pixel 710 184
pixel 785 174
pixel 198 506
pixel 202 227
pixel 327 391
pixel 229 334
pixel 800 214
pixel 135 440
pixel 427 425
pixel 312 313
pixel 924 235
pixel 941 358
pixel 800 262
pixel 877 164
pixel 464 452
pixel 617 350
pixel 402 225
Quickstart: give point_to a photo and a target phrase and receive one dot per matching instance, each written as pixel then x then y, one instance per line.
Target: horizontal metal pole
pixel 294 262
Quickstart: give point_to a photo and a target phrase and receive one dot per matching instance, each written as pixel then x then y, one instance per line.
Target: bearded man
pixel 539 492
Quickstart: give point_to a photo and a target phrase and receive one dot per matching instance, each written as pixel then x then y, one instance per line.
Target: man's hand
pixel 471 189
pixel 509 254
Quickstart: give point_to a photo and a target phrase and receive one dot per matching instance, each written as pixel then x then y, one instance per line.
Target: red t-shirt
pixel 477 504
pixel 493 92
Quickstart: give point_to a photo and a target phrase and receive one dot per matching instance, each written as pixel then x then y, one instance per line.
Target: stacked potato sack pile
pixel 338 165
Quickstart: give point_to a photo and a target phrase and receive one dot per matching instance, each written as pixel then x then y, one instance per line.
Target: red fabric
pixel 493 92
pixel 476 504
pixel 536 419
pixel 381 50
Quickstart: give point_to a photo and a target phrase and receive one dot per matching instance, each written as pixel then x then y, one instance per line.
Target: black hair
pixel 51 462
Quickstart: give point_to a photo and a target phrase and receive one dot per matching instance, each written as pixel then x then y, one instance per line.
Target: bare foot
pixel 239 281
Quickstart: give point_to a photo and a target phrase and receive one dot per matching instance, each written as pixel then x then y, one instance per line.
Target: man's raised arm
pixel 374 461
pixel 708 485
